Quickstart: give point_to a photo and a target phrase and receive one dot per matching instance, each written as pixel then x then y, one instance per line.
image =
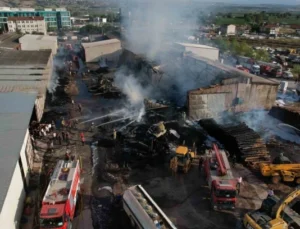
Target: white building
pixel 38 42
pixel 228 30
pixel 205 51
pixel 15 144
pixel 108 49
pixel 27 25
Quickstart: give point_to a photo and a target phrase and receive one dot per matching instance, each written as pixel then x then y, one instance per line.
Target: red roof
pixel 295 26
pixel 35 18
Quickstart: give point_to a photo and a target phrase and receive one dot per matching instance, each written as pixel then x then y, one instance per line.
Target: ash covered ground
pixel 108 104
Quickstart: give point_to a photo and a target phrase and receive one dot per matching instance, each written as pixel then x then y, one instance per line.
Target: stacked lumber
pixel 240 140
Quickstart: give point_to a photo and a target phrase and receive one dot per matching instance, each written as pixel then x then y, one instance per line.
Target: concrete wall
pixel 13 205
pixel 35 44
pixel 111 52
pixel 238 97
pixel 212 54
pixel 206 105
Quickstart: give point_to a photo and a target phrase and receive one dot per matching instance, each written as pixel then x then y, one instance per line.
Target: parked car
pixel 288 75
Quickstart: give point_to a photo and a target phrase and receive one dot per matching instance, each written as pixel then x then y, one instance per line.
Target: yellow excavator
pixel 281 169
pixel 275 213
pixel 183 159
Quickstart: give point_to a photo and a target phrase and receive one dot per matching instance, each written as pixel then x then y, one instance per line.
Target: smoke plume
pixel 134 92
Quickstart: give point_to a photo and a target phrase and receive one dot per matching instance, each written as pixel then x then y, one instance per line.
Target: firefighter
pixel 82 138
pixel 200 163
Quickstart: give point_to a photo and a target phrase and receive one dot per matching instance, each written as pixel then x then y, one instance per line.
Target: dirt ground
pixel 183 197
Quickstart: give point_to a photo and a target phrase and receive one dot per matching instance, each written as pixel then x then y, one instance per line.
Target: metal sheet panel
pixel 206 105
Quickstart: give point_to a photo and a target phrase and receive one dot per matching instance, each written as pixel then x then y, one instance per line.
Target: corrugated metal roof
pixel 196 45
pixel 14 57
pixel 15 114
pixel 98 43
pixel 23 86
pixel 234 71
pixel 32 37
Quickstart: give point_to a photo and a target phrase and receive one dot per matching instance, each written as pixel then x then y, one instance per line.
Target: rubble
pixel 103 85
pixel 248 146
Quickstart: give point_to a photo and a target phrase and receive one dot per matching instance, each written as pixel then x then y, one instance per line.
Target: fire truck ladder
pixel 221 168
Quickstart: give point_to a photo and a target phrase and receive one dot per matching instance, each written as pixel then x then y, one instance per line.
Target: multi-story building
pixel 54 18
pixel 27 24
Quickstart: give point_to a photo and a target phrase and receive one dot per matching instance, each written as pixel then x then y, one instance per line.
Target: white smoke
pixel 56 64
pixel 134 92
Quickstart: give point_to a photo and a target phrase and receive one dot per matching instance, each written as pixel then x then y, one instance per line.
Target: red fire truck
pixel 220 180
pixel 58 205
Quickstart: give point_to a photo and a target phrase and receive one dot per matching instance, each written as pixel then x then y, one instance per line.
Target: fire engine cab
pixel 220 180
pixel 58 205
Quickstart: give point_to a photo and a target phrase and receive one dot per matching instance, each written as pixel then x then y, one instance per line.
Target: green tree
pixel 234 47
pixel 262 55
pixel 245 50
pixel 296 71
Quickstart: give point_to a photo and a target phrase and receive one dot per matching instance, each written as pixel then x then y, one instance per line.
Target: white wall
pixel 231 29
pixel 14 202
pixel 28 44
pixel 212 54
pixel 23 157
pixel 109 51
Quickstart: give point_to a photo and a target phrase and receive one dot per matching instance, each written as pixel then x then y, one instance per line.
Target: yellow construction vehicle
pixel 284 172
pixel 183 159
pixel 275 213
pixel 281 169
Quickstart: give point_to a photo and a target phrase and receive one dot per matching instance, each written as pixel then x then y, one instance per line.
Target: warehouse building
pixel 230 90
pixel 38 42
pixel 15 114
pixel 219 88
pixel 109 50
pixel 27 25
pixel 205 51
pixel 26 71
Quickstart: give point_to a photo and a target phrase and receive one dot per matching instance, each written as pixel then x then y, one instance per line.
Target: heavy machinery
pixel 59 202
pixel 220 179
pixel 183 159
pixel 275 213
pixel 142 211
pixel 157 130
pixel 281 170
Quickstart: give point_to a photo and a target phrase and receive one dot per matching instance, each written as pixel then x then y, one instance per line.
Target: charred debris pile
pixel 248 146
pixel 102 83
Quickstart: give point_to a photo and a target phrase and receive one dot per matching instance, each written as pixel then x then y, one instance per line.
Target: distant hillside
pixel 18 3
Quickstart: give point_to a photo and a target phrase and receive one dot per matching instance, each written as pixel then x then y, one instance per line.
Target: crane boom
pixel 221 168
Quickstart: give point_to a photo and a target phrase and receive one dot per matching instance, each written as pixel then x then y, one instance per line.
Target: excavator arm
pixel 285 201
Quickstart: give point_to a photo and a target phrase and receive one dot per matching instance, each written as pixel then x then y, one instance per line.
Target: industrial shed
pixel 15 145
pixel 205 51
pixel 38 42
pixel 26 71
pixel 234 91
pixel 109 50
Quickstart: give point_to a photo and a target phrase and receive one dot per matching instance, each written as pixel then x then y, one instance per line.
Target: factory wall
pixel 13 204
pixel 239 97
pixel 111 52
pixel 34 44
